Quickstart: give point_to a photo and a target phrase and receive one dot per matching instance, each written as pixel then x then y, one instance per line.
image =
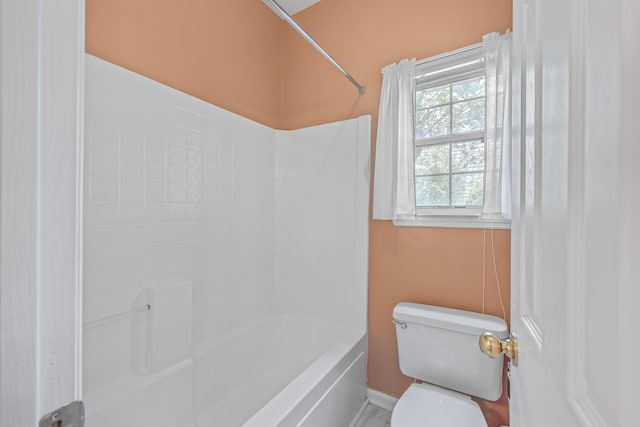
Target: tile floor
pixel 374 416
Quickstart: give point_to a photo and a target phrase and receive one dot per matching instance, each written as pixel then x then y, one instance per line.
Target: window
pixel 443 148
pixel 449 134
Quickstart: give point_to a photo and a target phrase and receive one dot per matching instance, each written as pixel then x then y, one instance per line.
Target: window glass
pixel 432 190
pixel 472 88
pixel 449 148
pixel 466 189
pixel 433 97
pixel 434 121
pixel 468 116
pixel 467 156
pixel 432 159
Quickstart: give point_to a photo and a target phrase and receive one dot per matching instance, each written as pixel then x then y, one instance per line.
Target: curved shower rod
pixel 284 15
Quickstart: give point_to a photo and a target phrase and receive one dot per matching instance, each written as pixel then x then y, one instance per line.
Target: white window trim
pixel 453 221
pixel 450 217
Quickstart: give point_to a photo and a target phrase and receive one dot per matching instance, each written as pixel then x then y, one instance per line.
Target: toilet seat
pixel 425 405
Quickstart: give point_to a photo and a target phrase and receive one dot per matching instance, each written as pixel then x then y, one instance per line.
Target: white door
pixel 41 82
pixel 575 235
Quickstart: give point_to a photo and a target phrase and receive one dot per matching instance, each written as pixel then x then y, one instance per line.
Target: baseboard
pixel 381 399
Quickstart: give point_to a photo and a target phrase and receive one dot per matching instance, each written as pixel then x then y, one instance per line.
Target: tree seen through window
pixel 450 153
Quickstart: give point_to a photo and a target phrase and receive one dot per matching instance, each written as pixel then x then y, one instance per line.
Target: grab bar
pixel 117 316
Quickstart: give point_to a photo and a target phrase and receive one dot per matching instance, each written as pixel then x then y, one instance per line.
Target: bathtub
pixel 282 371
pixel 279 371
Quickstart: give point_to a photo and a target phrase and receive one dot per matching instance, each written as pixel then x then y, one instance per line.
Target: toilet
pixel 439 346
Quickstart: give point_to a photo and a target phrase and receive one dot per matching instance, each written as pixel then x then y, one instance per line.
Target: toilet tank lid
pixel 450 318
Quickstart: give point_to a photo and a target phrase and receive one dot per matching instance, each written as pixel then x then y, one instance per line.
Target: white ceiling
pixel 295 6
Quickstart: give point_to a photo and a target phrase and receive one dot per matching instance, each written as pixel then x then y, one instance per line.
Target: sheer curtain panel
pixel 497 183
pixel 394 187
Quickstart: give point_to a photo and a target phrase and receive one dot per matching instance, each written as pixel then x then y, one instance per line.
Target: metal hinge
pixel 71 415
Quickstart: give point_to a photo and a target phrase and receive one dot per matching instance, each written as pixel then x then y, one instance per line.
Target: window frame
pixel 455 66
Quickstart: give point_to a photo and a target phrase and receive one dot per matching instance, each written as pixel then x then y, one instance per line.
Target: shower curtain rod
pixel 284 15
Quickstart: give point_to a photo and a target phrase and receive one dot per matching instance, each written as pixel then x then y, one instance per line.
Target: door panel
pixel 574 237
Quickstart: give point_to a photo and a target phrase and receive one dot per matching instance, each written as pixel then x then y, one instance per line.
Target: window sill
pixel 453 222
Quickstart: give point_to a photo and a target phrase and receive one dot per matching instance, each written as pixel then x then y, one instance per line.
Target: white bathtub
pixel 280 371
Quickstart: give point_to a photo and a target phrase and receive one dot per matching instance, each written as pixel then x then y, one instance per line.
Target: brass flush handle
pixel 493 346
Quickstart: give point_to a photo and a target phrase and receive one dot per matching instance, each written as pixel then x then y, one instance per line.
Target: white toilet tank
pixel 440 346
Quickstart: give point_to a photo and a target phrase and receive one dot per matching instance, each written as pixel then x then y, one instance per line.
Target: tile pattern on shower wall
pixel 174 187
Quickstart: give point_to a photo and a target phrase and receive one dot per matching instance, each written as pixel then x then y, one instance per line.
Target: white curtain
pixel 393 185
pixel 497 183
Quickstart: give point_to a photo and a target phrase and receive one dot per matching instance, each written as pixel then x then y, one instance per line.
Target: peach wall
pixel 438 266
pixel 425 265
pixel 226 52
pixel 366 35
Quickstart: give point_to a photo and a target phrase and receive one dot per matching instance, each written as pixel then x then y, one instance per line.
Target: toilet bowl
pixel 440 347
pixel 424 405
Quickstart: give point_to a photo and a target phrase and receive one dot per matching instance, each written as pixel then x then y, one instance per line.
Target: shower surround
pixel 225 262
